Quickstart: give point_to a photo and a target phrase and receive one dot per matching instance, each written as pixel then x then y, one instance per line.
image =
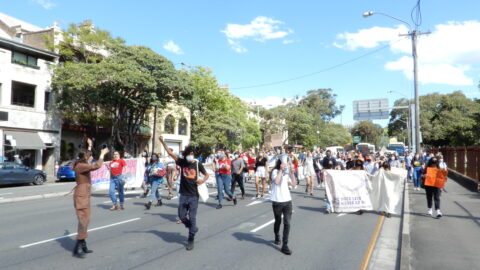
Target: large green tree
pixel 370 132
pixel 114 85
pixel 219 119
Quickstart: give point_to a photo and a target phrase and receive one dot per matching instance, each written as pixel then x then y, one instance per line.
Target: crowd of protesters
pixel 274 172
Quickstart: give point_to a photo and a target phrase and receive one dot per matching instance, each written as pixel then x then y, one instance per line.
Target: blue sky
pixel 248 43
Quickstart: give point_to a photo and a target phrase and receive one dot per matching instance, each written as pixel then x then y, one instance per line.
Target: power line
pixel 416 15
pixel 317 72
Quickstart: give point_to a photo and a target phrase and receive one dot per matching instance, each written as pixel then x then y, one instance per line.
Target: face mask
pixel 236 156
pixel 154 159
pixel 221 156
pixel 441 160
pixel 279 151
pixel 393 158
pixel 189 158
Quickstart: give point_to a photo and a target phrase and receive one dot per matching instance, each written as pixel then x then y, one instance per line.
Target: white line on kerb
pixel 263 226
pixel 72 234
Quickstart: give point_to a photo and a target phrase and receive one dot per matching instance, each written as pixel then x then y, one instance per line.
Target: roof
pixel 10 21
pixel 20 47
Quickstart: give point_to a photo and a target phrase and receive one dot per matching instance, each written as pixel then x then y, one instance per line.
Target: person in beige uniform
pixel 81 197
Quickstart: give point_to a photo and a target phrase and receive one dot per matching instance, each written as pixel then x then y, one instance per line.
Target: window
pixel 169 125
pixel 23 94
pixel 24 59
pixel 182 127
pixel 47 100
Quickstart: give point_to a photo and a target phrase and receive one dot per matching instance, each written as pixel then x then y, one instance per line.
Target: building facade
pixel 29 127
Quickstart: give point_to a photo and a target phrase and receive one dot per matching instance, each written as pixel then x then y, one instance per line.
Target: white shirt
pixel 280 193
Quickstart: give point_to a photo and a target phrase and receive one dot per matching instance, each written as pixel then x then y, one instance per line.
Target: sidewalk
pixel 451 242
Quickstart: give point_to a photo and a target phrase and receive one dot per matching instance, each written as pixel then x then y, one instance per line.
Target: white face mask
pixel 189 158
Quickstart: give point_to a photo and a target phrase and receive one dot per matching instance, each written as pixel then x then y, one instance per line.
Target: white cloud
pixel 267 102
pixel 259 29
pixel 172 47
pixel 444 56
pixel 45 4
pixel 432 73
pixel 289 41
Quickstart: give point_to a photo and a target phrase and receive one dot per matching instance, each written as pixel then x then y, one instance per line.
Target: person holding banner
pixel 81 196
pixel 188 201
pixel 118 167
pixel 433 187
pixel 155 172
pixel 282 177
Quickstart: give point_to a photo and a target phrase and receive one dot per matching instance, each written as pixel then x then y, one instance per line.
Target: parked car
pixel 14 173
pixel 65 171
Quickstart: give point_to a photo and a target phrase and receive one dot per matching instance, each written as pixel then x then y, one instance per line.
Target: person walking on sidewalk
pixel 225 182
pixel 282 176
pixel 237 172
pixel 155 172
pixel 432 192
pixel 81 196
pixel 188 200
pixel 118 167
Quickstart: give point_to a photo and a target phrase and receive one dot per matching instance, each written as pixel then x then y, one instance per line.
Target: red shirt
pixel 251 163
pixel 224 170
pixel 116 166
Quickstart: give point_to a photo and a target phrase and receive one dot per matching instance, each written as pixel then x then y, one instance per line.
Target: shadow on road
pixel 254 238
pixel 169 217
pixel 67 243
pixel 315 209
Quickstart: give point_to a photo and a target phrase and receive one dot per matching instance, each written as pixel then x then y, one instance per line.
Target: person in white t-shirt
pixel 282 176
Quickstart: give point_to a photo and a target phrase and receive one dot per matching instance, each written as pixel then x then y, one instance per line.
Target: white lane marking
pixel 5 193
pixel 262 226
pixel 72 234
pixel 258 201
pixel 341 215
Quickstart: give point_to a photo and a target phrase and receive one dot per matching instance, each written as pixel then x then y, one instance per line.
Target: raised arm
pixel 170 153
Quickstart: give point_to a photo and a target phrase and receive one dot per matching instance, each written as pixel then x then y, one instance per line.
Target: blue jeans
pixel 187 206
pixel 417 173
pixel 224 183
pixel 154 193
pixel 409 177
pixel 116 186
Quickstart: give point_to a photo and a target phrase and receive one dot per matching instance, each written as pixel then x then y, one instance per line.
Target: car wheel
pixel 38 180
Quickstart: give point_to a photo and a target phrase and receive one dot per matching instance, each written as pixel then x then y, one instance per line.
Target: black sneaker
pixel 190 244
pixel 234 200
pixel 219 206
pixel 159 203
pixel 285 250
pixel 148 205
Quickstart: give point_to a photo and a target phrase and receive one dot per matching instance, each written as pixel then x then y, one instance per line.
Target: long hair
pixel 83 155
pixel 156 155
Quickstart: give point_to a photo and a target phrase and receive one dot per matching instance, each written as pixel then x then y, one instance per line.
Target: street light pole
pixel 413 34
pixel 409 128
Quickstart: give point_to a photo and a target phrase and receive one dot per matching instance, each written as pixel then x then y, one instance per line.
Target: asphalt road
pixel 37 235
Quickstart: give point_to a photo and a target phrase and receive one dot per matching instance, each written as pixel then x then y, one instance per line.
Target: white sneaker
pixel 439 214
pixel 430 212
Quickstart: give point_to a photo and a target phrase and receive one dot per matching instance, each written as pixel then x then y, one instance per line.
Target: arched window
pixel 169 124
pixel 182 127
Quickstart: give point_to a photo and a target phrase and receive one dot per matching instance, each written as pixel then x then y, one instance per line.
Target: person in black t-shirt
pixel 188 201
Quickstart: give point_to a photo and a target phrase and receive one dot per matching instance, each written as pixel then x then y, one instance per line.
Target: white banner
pixel 133 176
pixel 347 191
pixel 350 191
pixel 386 190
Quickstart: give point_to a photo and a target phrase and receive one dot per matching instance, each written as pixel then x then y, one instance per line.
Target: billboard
pixel 371 109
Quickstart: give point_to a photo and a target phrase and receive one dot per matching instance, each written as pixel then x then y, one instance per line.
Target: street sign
pixel 357 139
pixel 371 109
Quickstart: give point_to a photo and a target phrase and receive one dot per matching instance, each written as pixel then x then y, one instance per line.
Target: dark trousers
pixel 188 205
pixel 435 193
pixel 238 178
pixel 284 208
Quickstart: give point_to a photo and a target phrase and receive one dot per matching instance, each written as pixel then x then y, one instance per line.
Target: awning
pixel 24 140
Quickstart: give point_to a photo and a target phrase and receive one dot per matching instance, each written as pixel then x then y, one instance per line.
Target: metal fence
pixel 464 160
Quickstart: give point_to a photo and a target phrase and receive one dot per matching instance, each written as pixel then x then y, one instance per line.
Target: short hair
pixel 188 150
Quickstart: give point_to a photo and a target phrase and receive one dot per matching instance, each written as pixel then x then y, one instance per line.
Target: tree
pixel 445 120
pixel 397 126
pixel 219 119
pixel 370 132
pixel 117 90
